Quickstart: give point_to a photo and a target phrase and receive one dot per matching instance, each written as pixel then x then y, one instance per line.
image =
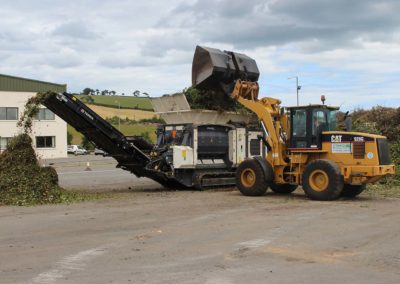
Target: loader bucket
pixel 214 69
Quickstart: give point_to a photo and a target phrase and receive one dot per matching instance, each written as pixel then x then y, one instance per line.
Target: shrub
pixel 384 121
pixel 146 135
pixel 87 144
pixel 395 155
pixel 154 119
pixel 69 138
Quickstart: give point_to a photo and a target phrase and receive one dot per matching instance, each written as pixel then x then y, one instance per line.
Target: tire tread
pixel 335 186
pixel 261 184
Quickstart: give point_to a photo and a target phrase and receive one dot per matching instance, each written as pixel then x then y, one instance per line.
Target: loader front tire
pixel 252 179
pixel 322 180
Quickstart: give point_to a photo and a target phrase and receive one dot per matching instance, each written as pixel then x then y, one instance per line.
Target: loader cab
pixel 308 122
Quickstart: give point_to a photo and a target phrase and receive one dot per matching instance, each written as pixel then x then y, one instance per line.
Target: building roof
pixel 18 84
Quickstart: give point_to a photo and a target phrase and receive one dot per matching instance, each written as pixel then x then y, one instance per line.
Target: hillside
pixel 133 114
pixel 126 127
pixel 122 101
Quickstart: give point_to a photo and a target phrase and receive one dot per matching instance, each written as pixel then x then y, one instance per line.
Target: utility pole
pixel 298 88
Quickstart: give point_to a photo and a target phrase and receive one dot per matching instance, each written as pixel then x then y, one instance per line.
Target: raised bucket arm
pixel 237 74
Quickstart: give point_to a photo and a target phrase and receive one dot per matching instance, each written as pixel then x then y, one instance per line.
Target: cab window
pixel 300 123
pixel 332 120
pixel 319 122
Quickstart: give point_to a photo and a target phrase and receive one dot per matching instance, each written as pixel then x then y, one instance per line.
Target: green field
pixel 76 136
pixel 128 130
pixel 125 101
pixel 139 129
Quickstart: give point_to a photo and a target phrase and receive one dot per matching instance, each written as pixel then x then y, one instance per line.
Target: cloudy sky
pixel 347 50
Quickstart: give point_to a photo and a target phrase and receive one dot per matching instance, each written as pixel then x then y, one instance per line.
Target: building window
pixel 45 114
pixel 45 141
pixel 8 113
pixel 4 141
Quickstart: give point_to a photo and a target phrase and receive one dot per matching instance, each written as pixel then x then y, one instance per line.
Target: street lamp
pixel 119 115
pixel 298 88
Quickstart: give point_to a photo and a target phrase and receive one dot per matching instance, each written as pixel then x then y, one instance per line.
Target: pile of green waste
pixel 22 180
pixel 211 100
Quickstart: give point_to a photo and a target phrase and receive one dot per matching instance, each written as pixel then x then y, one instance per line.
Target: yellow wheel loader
pixel 302 144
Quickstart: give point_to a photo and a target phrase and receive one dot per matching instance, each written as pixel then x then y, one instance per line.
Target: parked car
pixel 76 150
pixel 98 151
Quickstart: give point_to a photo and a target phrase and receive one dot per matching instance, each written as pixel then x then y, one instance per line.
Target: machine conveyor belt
pixel 96 129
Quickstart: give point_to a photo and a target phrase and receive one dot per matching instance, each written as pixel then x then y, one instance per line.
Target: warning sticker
pixel 344 148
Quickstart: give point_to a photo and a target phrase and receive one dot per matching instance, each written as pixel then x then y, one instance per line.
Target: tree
pixel 97 92
pixel 112 93
pixel 145 94
pixel 87 144
pixel 380 120
pixel 69 138
pixel 136 93
pixel 87 91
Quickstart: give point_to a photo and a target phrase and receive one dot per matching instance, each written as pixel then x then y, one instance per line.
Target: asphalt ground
pixel 90 172
pixel 153 235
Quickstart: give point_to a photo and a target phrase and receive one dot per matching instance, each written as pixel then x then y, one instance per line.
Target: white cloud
pixel 75 30
pixel 349 50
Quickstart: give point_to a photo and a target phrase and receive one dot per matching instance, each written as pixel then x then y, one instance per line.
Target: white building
pixel 49 132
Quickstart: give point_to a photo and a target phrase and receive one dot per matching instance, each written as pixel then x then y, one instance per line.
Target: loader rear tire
pixel 351 191
pixel 283 188
pixel 251 178
pixel 322 180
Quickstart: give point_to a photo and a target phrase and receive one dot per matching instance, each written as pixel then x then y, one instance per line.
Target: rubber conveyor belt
pixel 96 129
